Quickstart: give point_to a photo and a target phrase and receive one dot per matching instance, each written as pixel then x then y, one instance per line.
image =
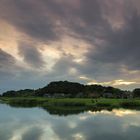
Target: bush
pixel 130 104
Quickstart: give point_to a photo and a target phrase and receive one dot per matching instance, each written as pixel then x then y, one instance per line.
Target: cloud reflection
pixel 36 124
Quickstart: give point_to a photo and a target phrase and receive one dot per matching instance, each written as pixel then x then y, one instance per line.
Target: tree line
pixel 72 89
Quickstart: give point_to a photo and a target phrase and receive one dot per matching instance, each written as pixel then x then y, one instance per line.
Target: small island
pixel 71 96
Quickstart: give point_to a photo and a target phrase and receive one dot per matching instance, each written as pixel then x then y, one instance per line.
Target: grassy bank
pixel 71 102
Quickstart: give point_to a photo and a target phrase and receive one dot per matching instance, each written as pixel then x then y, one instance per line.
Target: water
pixel 38 124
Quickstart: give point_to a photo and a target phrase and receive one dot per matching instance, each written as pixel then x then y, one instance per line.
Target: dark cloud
pixel 6 59
pixel 30 17
pixel 90 19
pixel 120 46
pixel 31 55
pixel 39 19
pixel 7 63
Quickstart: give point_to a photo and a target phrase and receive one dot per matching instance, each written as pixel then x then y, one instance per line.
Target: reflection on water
pixel 37 124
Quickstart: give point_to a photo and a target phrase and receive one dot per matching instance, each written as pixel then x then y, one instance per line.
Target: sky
pixel 86 41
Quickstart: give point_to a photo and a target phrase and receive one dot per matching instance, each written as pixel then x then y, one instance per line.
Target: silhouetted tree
pixel 136 92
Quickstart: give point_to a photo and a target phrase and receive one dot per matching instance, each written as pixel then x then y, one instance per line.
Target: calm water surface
pixel 38 124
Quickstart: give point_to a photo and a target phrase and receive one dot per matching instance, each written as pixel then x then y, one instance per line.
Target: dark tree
pixel 136 92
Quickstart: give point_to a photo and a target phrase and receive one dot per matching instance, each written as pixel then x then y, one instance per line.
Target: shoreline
pixel 70 102
pixel 69 106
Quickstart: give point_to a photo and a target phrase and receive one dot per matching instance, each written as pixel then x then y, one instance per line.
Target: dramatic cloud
pixel 121 46
pixel 29 17
pixel 6 64
pixel 5 59
pixel 66 40
pixel 31 55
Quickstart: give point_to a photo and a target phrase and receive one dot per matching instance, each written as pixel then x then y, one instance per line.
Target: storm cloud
pixel 121 46
pixel 29 17
pixel 6 64
pixel 30 54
